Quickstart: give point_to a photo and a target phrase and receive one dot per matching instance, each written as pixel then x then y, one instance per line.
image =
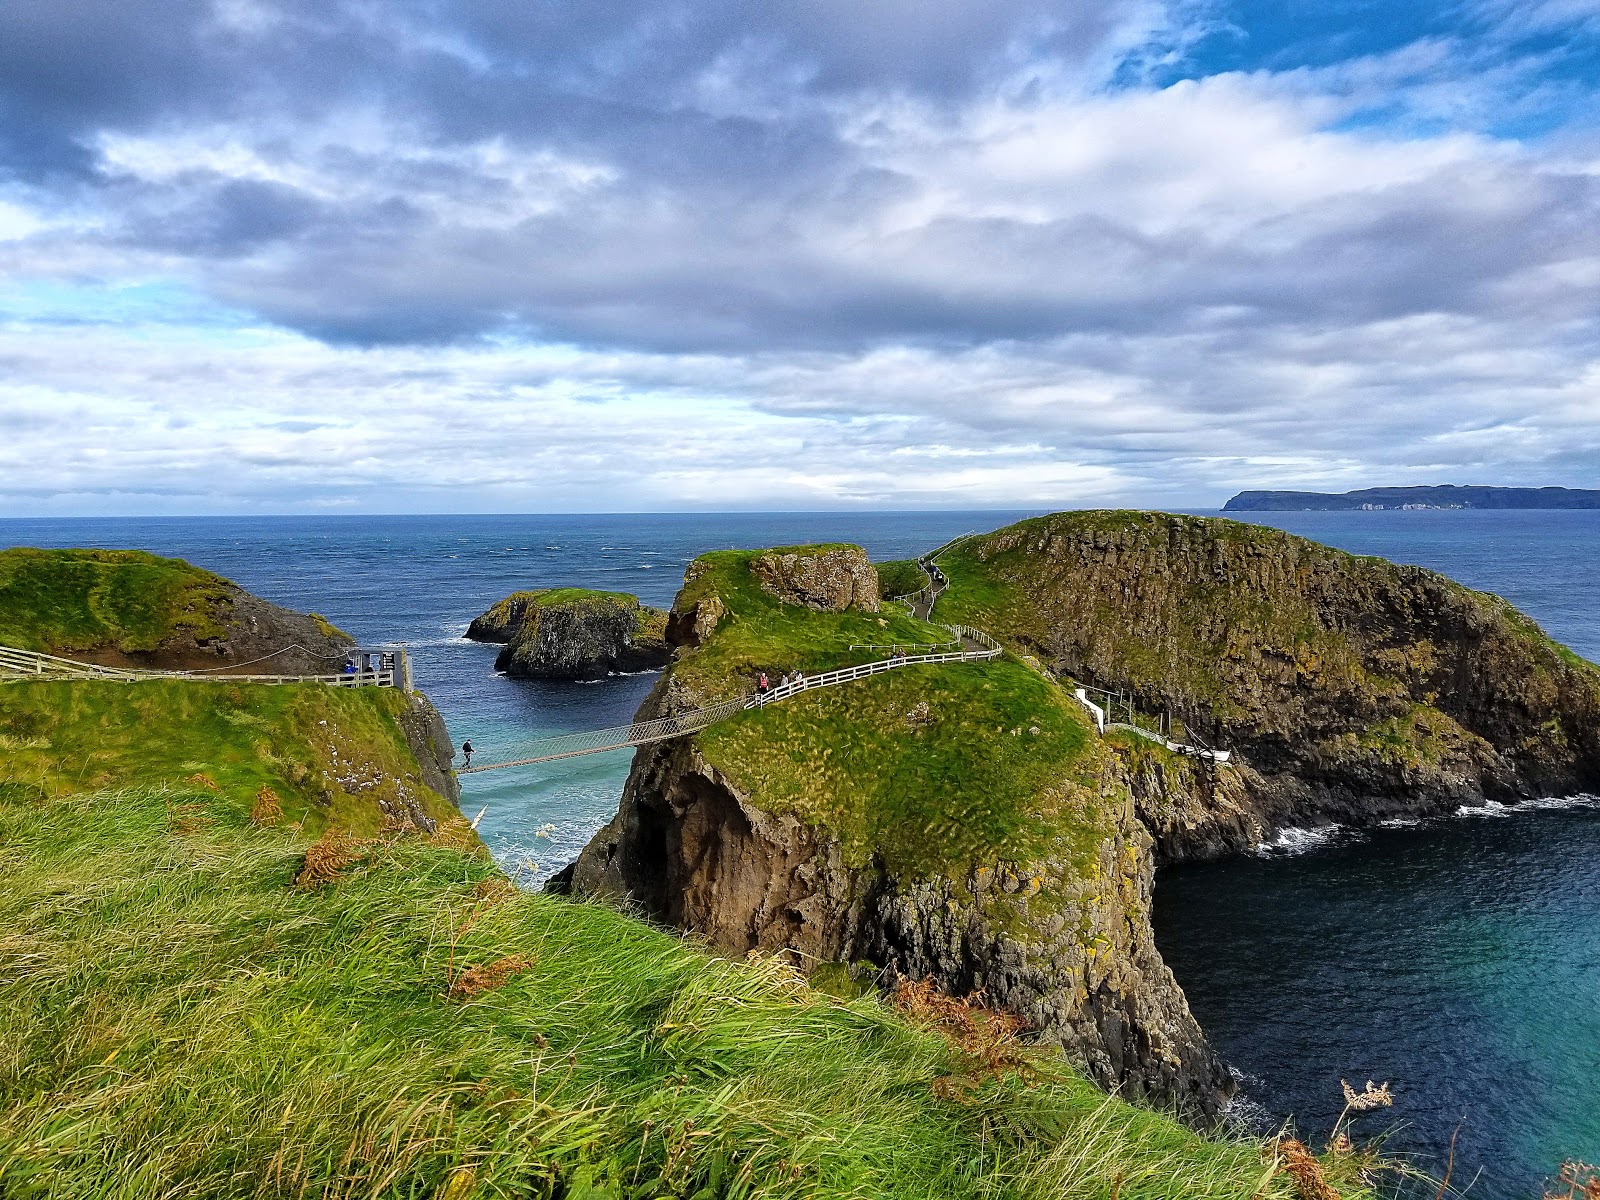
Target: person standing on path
pixel 761 684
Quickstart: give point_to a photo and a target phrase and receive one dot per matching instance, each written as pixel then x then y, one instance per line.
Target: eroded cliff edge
pixel 957 822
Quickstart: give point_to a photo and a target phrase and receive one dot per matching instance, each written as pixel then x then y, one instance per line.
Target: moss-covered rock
pixel 827 578
pixel 573 633
pixel 128 608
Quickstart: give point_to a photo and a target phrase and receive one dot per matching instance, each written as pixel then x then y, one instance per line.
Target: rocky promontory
pixel 967 823
pixel 959 824
pixel 127 608
pixel 573 633
pixel 1348 688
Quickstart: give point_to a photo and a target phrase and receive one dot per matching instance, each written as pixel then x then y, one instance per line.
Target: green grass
pixel 997 768
pixel 301 740
pixel 182 1021
pixel 56 601
pixel 761 633
pixel 900 577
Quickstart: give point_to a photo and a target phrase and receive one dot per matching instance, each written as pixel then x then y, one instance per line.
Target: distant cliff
pixel 573 633
pixel 1441 496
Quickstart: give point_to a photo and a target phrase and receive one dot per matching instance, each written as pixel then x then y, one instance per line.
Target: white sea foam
pixel 1301 841
pixel 1400 823
pixel 1489 808
pixel 1581 800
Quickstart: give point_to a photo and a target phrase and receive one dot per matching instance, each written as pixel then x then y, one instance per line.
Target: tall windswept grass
pixel 181 1020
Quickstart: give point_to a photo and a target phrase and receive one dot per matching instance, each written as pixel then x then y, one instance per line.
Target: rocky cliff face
pixel 825 578
pixel 1350 689
pixel 1066 946
pixel 1055 928
pixel 573 634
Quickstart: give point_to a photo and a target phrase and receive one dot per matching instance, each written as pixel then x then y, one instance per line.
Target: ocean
pixel 1459 960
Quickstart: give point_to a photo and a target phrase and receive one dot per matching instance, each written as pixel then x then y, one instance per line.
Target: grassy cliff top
pixel 62 600
pixel 900 577
pixel 188 1013
pixel 326 755
pixel 1260 631
pixel 551 597
pixel 934 767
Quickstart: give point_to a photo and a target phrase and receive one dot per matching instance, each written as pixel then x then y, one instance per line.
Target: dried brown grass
pixel 185 819
pixel 327 859
pixel 985 1037
pixel 1576 1181
pixel 486 977
pixel 1302 1166
pixel 267 809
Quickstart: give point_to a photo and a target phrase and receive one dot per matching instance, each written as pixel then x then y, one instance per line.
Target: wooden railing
pixel 392 671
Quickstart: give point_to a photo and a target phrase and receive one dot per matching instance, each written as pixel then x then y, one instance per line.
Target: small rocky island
pixel 573 633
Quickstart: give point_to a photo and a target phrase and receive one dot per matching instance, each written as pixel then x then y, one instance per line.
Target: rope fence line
pixel 391 670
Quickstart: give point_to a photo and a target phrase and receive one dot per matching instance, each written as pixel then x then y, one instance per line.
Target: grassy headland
pixel 228 973
pixel 57 601
pixel 931 766
pixel 182 1018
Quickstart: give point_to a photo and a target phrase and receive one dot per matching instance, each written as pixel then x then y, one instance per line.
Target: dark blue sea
pixel 1459 960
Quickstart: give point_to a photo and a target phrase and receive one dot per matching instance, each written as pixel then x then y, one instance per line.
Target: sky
pixel 276 256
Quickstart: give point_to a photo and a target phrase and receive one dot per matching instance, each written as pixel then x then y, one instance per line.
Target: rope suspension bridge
pixel 979 646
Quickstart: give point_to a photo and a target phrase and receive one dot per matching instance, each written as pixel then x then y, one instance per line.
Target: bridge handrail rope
pixel 24 664
pixel 570 745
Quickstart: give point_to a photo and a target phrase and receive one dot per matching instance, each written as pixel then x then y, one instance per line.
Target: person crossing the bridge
pixel 466 752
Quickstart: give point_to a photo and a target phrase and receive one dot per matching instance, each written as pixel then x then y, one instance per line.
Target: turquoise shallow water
pixel 1460 960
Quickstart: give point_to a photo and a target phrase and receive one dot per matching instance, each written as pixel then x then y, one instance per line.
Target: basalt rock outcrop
pixel 1066 947
pixel 1060 936
pixel 825 578
pixel 1349 689
pixel 569 633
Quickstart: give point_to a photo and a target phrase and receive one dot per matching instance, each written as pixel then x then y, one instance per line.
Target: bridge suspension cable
pixel 570 745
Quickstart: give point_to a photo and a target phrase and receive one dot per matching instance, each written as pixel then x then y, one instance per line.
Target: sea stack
pixel 573 633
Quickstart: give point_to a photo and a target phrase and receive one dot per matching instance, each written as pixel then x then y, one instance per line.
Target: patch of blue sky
pixel 129 305
pixel 1282 35
pixel 1549 66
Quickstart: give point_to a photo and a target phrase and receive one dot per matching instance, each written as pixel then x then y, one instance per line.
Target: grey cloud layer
pixel 928 245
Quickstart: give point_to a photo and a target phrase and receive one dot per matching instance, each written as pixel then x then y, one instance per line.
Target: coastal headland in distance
pixel 1431 496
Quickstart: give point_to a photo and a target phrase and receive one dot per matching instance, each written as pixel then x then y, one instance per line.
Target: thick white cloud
pixel 652 262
